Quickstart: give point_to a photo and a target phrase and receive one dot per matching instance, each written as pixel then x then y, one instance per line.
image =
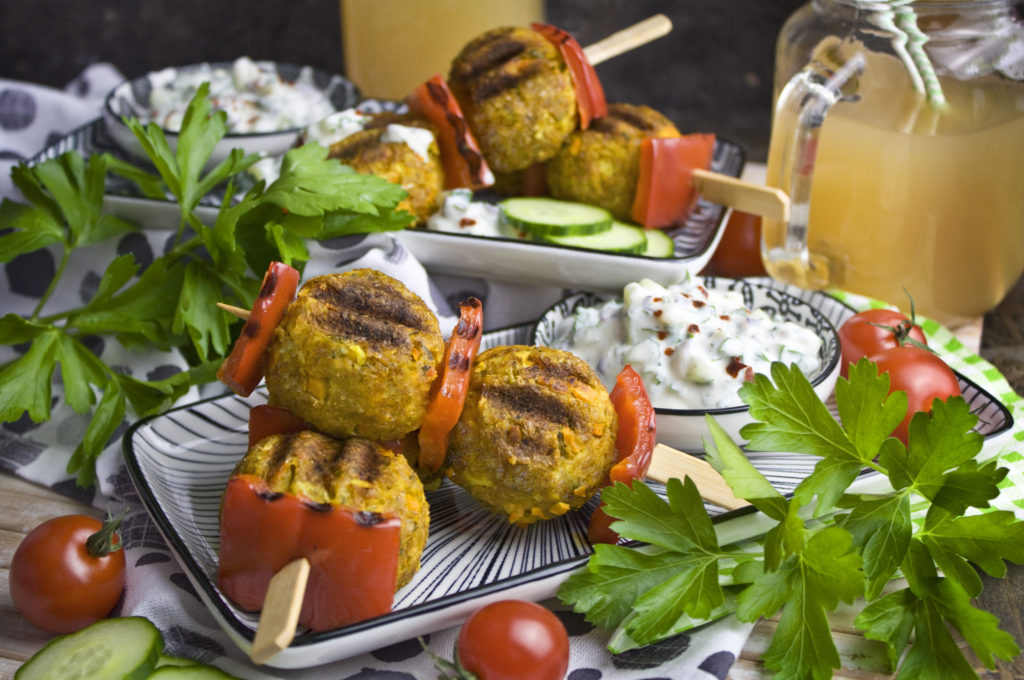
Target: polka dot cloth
pixel 33 117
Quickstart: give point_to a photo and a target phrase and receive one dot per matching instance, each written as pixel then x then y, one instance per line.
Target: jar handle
pixel 806 98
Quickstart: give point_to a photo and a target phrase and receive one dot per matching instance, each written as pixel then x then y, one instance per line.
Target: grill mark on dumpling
pixel 494 84
pixel 320 460
pixel 557 374
pixel 499 50
pixel 353 145
pixel 380 315
pixel 360 458
pixel 528 402
pixel 631 118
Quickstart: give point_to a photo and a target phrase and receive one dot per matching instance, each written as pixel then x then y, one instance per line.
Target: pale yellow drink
pixel 391 46
pixel 907 198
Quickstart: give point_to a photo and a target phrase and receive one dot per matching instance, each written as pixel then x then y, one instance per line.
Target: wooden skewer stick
pixel 668 462
pixel 240 312
pixel 628 38
pixel 755 199
pixel 280 613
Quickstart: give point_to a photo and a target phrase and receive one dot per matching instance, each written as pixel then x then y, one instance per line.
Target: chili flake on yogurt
pixel 254 97
pixel 693 346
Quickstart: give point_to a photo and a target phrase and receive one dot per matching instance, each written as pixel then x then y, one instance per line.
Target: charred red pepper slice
pixel 353 555
pixel 242 370
pixel 634 444
pixel 448 393
pixel 590 100
pixel 664 188
pixel 265 420
pixel 461 159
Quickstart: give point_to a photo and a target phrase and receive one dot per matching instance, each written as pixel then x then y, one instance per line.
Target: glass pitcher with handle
pixel 898 134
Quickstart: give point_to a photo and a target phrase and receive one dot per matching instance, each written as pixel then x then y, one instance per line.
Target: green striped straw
pixel 907 20
pixel 898 18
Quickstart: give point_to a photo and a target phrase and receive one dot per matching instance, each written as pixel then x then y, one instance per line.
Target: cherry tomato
pixel 68 573
pixel 869 332
pixel 739 252
pixel 514 639
pixel 921 374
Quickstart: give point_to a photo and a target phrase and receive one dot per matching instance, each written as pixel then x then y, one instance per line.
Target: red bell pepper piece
pixel 353 556
pixel 242 370
pixel 461 159
pixel 634 444
pixel 664 188
pixel 265 420
pixel 448 393
pixel 590 100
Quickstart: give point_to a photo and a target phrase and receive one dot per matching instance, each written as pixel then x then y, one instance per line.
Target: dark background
pixel 712 73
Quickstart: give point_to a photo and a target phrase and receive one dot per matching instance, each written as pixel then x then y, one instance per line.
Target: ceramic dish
pixel 686 429
pixel 462 254
pixel 132 98
pixel 180 461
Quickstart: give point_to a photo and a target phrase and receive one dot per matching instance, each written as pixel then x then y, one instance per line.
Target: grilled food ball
pixel 355 356
pixel 537 433
pixel 355 474
pixel 517 95
pixel 601 165
pixel 370 151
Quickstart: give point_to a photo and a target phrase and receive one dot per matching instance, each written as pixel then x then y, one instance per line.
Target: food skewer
pixel 667 462
pixel 280 613
pixel 628 38
pixel 285 593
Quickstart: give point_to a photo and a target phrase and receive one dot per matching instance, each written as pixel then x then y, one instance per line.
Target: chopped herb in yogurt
pixel 693 346
pixel 253 96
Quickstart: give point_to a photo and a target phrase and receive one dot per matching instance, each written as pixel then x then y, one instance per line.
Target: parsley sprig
pixel 834 540
pixel 170 306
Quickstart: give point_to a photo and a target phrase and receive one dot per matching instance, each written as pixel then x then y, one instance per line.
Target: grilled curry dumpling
pixel 536 437
pixel 355 356
pixel 355 474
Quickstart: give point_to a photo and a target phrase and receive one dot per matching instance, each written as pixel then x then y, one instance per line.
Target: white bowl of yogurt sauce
pixel 267 103
pixel 695 342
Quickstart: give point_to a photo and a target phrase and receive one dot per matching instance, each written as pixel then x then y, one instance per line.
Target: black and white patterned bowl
pixel 685 429
pixel 131 98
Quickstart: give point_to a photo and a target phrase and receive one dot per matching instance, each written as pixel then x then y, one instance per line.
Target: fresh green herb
pixel 828 544
pixel 171 305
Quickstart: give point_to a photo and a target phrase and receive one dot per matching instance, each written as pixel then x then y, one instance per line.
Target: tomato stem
pixel 106 541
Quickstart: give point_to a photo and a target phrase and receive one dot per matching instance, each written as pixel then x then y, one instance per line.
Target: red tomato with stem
pixel 869 332
pixel 514 639
pixel 68 573
pixel 921 374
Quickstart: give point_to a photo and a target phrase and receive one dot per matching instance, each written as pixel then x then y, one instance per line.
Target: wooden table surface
pixel 24 505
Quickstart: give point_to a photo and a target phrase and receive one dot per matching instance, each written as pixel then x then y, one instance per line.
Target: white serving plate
pixel 180 462
pixel 501 259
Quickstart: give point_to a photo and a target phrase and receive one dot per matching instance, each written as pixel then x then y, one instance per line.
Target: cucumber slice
pixel 195 672
pixel 659 244
pixel 621 238
pixel 551 217
pixel 111 649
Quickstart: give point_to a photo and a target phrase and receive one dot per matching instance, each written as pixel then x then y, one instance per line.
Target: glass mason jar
pixel 898 134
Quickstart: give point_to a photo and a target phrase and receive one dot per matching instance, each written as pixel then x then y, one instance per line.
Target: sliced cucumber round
pixel 659 244
pixel 621 238
pixel 551 217
pixel 111 649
